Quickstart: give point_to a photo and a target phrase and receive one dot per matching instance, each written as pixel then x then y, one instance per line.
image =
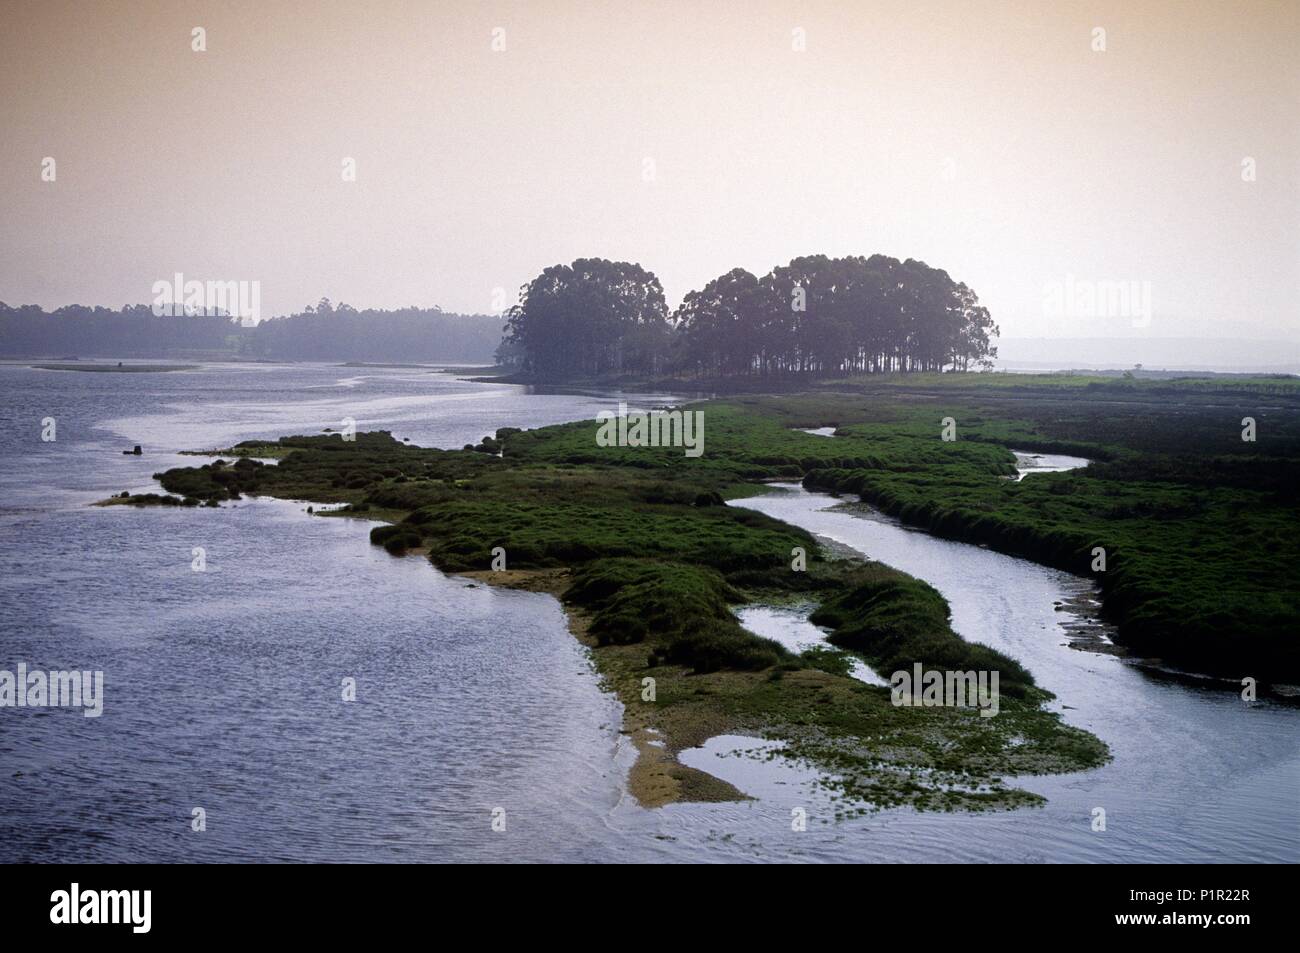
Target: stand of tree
pixel 588 319
pixel 323 332
pixel 817 316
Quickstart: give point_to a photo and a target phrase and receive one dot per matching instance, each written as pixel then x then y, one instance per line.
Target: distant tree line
pixel 817 316
pixel 321 332
pixel 342 333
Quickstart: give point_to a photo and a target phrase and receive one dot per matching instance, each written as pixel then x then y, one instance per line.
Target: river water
pixel 1198 774
pixel 222 687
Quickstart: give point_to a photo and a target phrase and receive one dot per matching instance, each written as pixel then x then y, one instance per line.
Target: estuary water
pixel 1198 774
pixel 222 688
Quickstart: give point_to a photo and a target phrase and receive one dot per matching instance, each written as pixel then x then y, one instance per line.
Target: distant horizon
pixel 1226 354
pixel 1263 338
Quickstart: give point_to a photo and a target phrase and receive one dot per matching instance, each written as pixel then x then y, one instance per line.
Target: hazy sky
pixel 989 139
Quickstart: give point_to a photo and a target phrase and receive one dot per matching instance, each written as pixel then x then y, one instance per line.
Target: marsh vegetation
pixel 1197 528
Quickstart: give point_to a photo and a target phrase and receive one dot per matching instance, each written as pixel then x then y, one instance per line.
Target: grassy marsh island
pixel 639 545
pixel 1198 527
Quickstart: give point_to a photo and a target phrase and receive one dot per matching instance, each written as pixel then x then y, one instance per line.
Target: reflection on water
pixel 1028 462
pixel 792 629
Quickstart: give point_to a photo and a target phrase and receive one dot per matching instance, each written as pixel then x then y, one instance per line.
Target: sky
pixel 1046 164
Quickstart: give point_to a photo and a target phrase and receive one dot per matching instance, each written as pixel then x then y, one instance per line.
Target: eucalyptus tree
pixel 590 318
pixel 816 316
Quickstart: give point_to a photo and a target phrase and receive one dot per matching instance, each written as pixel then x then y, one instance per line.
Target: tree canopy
pixel 815 316
pixel 590 318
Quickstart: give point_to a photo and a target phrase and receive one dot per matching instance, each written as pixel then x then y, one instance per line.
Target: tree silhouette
pixel 590 318
pixel 826 317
